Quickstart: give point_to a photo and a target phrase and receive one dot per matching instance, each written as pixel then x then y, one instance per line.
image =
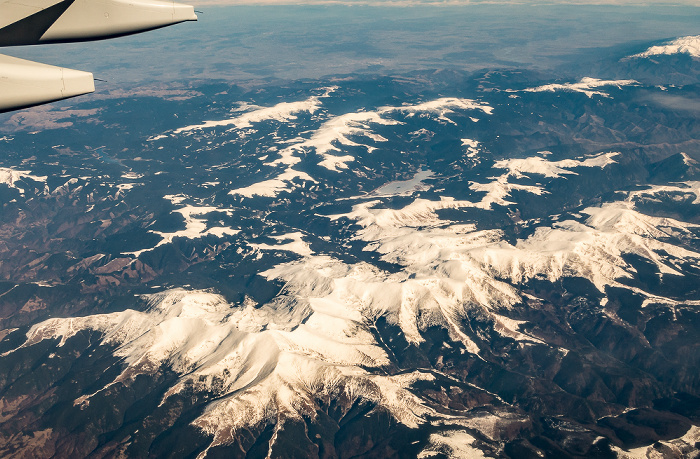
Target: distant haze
pixel 408 3
pixel 254 43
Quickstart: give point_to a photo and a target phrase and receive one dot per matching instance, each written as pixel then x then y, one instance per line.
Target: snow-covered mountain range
pixel 360 268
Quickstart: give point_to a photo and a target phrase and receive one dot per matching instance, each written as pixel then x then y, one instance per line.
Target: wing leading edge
pixel 28 22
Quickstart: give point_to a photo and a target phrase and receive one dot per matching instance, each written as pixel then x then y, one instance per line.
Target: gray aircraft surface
pixel 29 22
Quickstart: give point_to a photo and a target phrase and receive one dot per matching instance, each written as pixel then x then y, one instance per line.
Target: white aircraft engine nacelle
pixel 89 19
pixel 29 22
pixel 25 83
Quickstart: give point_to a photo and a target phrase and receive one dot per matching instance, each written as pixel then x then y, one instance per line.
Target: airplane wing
pixel 26 83
pixel 29 22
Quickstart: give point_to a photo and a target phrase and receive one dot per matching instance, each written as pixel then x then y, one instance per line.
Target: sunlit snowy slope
pixel 684 45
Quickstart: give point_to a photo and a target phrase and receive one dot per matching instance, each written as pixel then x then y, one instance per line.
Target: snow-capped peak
pixel 262 362
pixel 684 45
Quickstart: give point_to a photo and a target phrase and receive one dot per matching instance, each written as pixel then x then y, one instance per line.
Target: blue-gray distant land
pixel 353 231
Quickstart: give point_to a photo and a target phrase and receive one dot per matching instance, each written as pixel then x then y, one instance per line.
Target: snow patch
pixel 497 191
pixel 688 161
pixel 451 443
pixel 127 186
pixel 420 213
pixel 250 114
pixel 338 131
pixel 195 228
pixel 472 147
pixel 132 176
pixel 404 187
pixel 443 107
pixel 290 242
pixel 588 86
pixel 274 186
pixel 593 250
pixel 10 177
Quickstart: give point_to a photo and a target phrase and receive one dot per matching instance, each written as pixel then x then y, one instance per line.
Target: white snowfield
pixel 679 191
pixel 403 187
pixel 593 249
pixel 685 45
pixel 331 136
pixel 452 443
pixel 290 242
pixel 442 107
pixel 472 147
pixel 539 166
pixel 274 186
pixel 678 447
pixel 264 362
pixel 336 132
pixel 588 86
pixel 10 177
